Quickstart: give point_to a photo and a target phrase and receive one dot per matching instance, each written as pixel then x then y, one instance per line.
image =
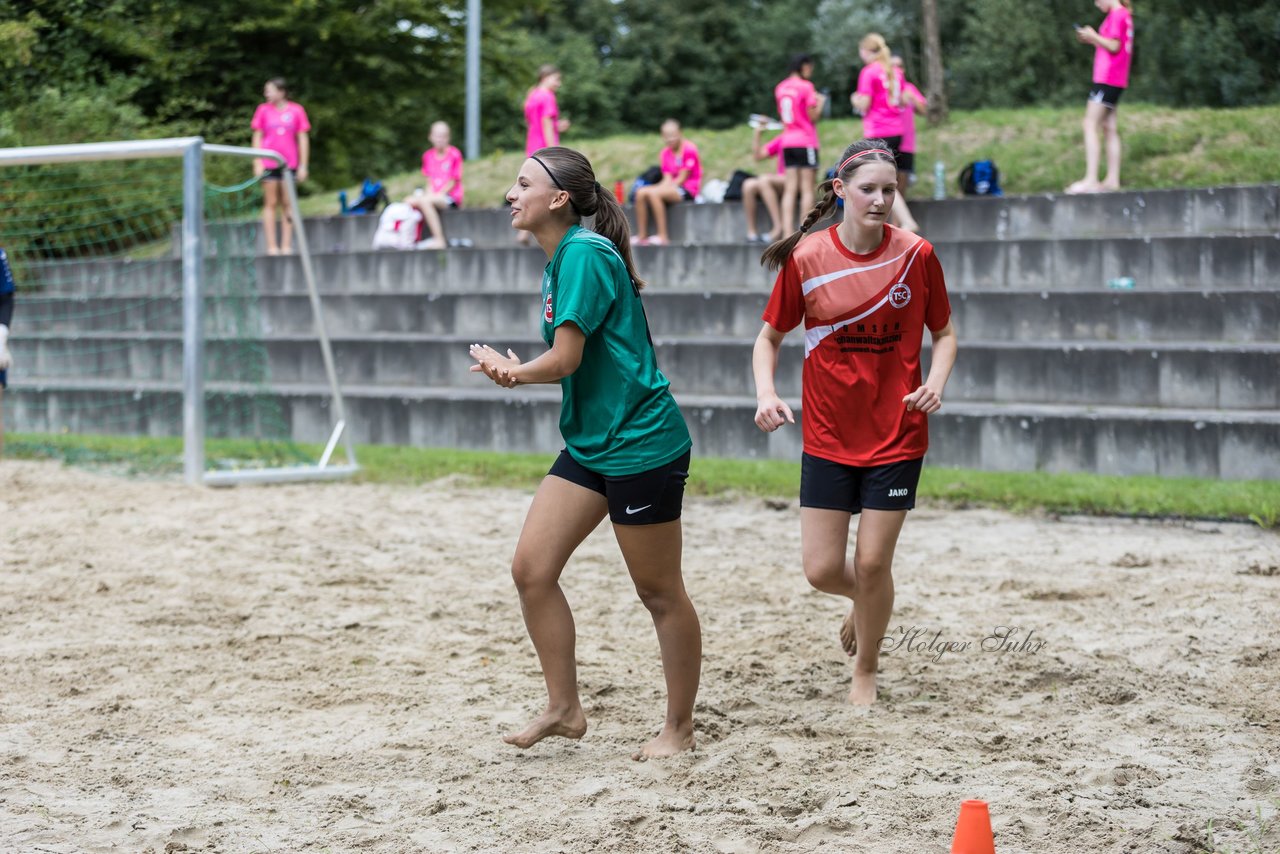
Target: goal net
pixel 145 309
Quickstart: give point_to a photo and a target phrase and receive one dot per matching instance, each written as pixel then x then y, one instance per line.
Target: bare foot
pixel 848 638
pixel 1083 187
pixel 862 691
pixel 1109 188
pixel 571 724
pixel 670 741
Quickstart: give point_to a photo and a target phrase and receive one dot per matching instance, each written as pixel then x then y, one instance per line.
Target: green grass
pixel 1191 498
pixel 1038 150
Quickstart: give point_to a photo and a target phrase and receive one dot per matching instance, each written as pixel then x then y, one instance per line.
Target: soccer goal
pixel 145 309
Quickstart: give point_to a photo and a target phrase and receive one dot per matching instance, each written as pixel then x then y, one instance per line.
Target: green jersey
pixel 617 415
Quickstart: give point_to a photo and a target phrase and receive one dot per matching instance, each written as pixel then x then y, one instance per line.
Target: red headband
pixel 856 155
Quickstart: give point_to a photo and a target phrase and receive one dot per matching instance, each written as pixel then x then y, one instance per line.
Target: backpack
pixel 372 195
pixel 652 175
pixel 980 178
pixel 734 191
pixel 399 227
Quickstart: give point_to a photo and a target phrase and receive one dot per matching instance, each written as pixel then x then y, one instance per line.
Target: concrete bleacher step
pixel 1155 263
pixel 1139 316
pixel 1005 437
pixel 1202 375
pixel 1212 210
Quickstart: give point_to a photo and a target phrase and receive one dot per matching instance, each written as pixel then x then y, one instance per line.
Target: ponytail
pixel 858 154
pixel 779 251
pixel 875 43
pixel 571 172
pixel 611 222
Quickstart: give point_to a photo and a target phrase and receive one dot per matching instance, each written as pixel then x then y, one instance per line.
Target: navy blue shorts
pixel 4 378
pixel 647 498
pixel 827 485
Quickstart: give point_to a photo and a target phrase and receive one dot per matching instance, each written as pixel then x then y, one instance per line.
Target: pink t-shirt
pixel 540 104
pixel 280 129
pixel 795 96
pixel 673 164
pixel 909 116
pixel 774 149
pixel 881 119
pixel 443 170
pixel 1110 68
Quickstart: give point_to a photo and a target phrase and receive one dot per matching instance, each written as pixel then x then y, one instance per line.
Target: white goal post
pixel 193 150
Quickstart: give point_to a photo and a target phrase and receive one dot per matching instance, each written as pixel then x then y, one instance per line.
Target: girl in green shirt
pixel 626 451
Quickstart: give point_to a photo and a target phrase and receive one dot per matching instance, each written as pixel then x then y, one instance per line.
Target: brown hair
pixel 279 83
pixel 778 253
pixel 570 171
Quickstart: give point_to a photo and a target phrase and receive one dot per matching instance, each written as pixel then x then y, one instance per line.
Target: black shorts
pixel 800 158
pixel 685 195
pixel 4 378
pixel 647 498
pixel 826 485
pixel 1107 96
pixel 905 161
pixel 277 174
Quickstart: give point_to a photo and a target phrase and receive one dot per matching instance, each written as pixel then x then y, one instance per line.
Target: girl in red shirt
pixel 865 292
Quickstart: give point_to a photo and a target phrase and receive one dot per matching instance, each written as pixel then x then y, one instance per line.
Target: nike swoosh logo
pixel 631 512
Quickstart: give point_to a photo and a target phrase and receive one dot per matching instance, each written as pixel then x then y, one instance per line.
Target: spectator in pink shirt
pixel 681 181
pixel 543 120
pixel 442 169
pixel 799 106
pixel 1113 53
pixel 542 113
pixel 913 103
pixel 878 98
pixel 279 125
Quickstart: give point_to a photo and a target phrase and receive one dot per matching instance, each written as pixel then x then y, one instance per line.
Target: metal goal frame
pixel 193 150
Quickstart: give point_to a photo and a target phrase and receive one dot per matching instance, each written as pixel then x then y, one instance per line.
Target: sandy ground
pixel 330 668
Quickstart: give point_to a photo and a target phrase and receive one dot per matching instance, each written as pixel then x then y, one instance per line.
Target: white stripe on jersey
pixel 810 285
pixel 813 337
pixel 596 237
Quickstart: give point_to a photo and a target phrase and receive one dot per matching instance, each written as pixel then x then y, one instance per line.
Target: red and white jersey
pixel 864 321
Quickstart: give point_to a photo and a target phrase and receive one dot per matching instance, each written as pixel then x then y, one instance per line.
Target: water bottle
pixel 939 180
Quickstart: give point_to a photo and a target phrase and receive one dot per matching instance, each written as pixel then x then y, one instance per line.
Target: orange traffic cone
pixel 973 830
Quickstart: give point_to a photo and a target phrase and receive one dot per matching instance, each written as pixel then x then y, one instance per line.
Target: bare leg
pixel 790 190
pixel 867 580
pixel 901 214
pixel 642 212
pixel 1094 113
pixel 560 518
pixel 660 198
pixel 1112 134
pixel 750 190
pixel 806 178
pixel 652 553
pixel 286 222
pixel 770 186
pixel 429 205
pixel 270 198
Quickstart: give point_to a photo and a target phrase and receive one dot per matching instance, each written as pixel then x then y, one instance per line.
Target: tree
pixel 935 84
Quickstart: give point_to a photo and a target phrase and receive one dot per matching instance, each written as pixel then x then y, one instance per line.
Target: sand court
pixel 331 668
